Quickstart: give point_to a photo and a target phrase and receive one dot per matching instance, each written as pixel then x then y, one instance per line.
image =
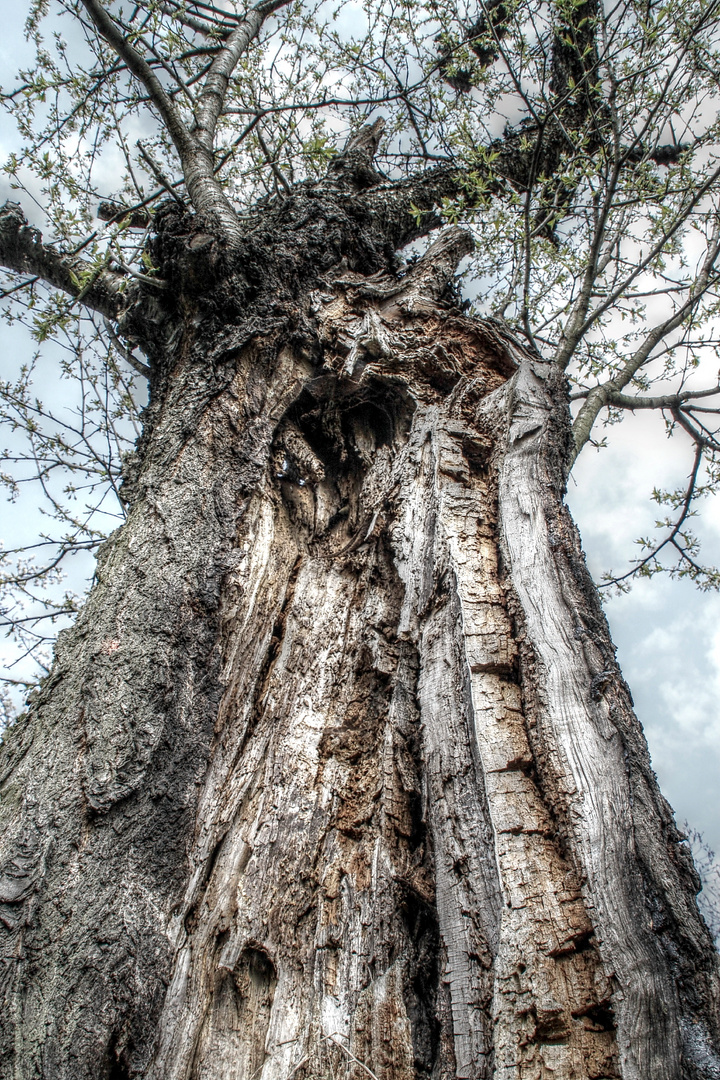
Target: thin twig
pixel 159 174
pixel 277 171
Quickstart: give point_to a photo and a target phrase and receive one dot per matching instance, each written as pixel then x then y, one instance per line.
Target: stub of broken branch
pixel 435 270
pixel 131 216
pixel 366 140
pixel 426 280
pixel 355 164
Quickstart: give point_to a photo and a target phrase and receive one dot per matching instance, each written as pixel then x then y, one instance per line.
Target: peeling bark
pixel 336 773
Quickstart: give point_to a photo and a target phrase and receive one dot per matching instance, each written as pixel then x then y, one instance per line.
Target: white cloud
pixel 667 633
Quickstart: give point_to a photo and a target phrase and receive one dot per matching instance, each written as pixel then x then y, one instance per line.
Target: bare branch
pixel 277 171
pixel 135 364
pixel 175 11
pixel 159 175
pixel 600 396
pixel 674 538
pixel 212 96
pixel 664 401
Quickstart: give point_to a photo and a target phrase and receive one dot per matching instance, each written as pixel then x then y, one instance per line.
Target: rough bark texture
pixel 336 774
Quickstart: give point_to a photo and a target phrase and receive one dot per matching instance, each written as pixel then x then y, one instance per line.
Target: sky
pixel 666 632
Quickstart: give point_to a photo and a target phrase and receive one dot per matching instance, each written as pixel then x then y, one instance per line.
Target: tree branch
pixel 270 158
pixel 133 217
pixel 22 250
pixel 193 23
pixel 600 396
pixel 196 157
pixel 135 364
pixel 409 208
pixel 212 96
pixel 140 68
pixel 672 538
pixel 665 401
pixel 159 175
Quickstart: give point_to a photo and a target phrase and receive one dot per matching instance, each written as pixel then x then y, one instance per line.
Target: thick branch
pixel 130 216
pixel 663 401
pixel 213 93
pixel 22 250
pixel 196 158
pixel 409 208
pixel 142 71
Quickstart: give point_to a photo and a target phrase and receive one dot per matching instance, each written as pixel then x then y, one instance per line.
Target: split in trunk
pixel 336 773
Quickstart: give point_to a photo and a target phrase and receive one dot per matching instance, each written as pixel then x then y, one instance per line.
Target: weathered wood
pixel 335 774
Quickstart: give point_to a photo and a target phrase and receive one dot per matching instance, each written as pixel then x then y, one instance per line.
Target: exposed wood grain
pixel 335 774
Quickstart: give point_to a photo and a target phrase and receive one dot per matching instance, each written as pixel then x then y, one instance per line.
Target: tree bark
pixel 336 774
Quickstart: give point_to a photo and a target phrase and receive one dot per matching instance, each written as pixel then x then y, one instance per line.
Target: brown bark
pixel 336 773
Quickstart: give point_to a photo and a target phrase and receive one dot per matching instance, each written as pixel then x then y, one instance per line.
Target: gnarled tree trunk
pixel 336 774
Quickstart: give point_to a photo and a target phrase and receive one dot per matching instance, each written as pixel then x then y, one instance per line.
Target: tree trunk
pixel 336 774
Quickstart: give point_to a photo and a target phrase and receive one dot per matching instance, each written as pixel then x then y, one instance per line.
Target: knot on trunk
pixel 187 248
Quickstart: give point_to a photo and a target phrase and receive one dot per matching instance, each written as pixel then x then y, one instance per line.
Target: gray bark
pixel 336 774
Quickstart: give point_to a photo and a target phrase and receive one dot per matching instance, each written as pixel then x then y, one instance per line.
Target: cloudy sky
pixel 667 633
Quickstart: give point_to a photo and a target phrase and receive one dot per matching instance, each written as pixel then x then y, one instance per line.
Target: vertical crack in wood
pixel 363 801
pixel 321 855
pixel 518 937
pixel 231 1042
